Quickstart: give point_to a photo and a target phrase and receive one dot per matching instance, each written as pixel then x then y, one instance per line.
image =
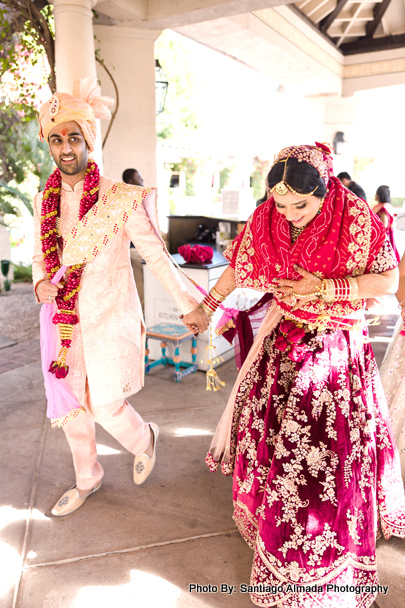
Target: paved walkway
pixel 18 355
pixel 128 546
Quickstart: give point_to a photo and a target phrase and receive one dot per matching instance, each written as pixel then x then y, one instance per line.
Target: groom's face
pixel 68 148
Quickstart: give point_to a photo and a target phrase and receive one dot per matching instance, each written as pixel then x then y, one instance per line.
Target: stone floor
pixel 17 355
pixel 129 546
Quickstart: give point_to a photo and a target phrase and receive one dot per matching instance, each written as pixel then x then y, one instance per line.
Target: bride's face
pixel 297 209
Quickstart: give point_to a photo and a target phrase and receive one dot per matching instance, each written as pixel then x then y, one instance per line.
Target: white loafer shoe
pixel 144 464
pixel 71 501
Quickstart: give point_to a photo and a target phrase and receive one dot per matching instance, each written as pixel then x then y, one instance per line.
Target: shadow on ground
pixel 130 546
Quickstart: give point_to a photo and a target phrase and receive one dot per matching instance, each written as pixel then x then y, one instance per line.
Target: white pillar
pixel 74 42
pixel 129 55
pixel 339 116
pixel 74 49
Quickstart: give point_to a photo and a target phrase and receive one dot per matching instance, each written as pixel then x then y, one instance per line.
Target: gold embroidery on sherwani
pixel 108 343
pixel 102 223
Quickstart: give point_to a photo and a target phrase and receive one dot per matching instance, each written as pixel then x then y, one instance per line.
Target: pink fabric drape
pixel 60 400
pixel 221 441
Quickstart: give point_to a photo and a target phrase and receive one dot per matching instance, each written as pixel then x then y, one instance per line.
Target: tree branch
pixel 22 11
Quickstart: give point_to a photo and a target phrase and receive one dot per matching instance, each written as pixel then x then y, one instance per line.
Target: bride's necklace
pixel 295 231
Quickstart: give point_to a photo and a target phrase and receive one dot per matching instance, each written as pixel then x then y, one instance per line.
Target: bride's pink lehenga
pixel 316 474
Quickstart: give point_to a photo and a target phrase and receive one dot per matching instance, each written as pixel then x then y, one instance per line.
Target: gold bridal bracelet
pixel 332 290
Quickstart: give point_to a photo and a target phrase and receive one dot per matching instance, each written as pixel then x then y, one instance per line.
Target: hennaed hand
pixel 197 320
pixel 297 293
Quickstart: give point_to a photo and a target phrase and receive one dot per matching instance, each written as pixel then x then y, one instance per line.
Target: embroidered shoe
pixel 143 463
pixel 71 501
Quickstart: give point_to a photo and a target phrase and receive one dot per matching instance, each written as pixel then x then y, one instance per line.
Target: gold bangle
pixel 217 295
pixel 305 295
pixel 207 310
pixel 329 290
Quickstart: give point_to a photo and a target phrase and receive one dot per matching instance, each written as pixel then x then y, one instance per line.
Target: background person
pixel 385 212
pixel 352 185
pixel 132 176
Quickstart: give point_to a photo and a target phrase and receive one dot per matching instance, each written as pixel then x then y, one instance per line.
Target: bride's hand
pixel 297 293
pixel 196 320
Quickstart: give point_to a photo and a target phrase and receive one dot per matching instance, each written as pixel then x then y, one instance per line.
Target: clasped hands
pixel 297 293
pixel 197 320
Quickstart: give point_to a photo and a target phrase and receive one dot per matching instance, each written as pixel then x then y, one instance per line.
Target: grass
pixel 22 273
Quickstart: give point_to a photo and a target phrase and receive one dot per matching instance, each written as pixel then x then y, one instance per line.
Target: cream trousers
pixel 120 420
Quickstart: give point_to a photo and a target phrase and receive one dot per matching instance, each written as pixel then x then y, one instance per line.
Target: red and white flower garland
pixel 66 317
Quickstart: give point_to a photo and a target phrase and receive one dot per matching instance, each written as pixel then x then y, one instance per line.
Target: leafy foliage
pixel 21 154
pixel 22 273
pixel 26 65
pixel 224 176
pixel 190 166
pixel 27 35
pixel 360 164
pixel 180 115
pixel 258 177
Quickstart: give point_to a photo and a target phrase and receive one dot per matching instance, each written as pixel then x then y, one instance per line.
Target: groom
pixel 96 305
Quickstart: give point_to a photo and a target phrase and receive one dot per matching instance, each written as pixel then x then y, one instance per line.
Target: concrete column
pixel 74 49
pixel 129 55
pixel 74 42
pixel 339 116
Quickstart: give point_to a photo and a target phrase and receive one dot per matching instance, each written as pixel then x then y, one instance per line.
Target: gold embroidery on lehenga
pixel 353 521
pixel 299 459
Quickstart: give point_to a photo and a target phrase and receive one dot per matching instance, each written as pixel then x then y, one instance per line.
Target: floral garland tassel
pixel 66 317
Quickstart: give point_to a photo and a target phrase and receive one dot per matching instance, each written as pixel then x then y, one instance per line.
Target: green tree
pixel 190 166
pixel 360 164
pixel 21 154
pixel 180 115
pixel 26 65
pixel 27 34
pixel 224 176
pixel 258 176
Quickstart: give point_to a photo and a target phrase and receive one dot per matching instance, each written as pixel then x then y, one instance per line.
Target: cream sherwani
pixel 106 359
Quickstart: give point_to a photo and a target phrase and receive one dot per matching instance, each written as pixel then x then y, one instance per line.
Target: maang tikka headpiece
pixel 282 187
pixel 319 156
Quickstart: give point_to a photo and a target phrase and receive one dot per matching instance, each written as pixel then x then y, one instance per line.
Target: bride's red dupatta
pixel 343 240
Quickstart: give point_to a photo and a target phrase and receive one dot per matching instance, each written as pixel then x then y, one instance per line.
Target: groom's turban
pixel 84 107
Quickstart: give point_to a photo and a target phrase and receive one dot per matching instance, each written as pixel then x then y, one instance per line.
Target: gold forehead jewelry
pixel 282 187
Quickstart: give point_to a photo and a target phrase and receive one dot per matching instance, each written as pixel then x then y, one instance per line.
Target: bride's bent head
pixel 298 190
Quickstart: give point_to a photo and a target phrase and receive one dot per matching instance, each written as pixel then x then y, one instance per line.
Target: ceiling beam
pixel 367 45
pixel 325 23
pixel 379 14
pixel 308 21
